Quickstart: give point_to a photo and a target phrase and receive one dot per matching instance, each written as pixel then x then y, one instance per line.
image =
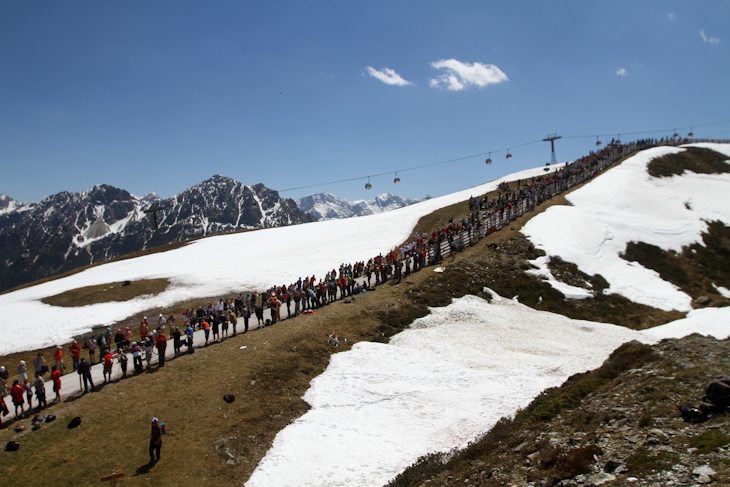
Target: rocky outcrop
pixel 627 432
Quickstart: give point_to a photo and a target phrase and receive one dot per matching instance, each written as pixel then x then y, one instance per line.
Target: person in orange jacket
pixel 58 357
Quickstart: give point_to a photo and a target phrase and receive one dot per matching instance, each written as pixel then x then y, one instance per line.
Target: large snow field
pixel 626 204
pixel 439 385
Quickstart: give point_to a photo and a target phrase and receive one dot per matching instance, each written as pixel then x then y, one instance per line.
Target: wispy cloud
pixel 672 16
pixel 711 40
pixel 622 72
pixel 388 76
pixel 459 76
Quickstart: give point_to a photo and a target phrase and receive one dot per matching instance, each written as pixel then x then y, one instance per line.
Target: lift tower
pixel 552 138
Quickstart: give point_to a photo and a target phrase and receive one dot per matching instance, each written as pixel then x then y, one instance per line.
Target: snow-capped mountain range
pixel 69 230
pixel 326 206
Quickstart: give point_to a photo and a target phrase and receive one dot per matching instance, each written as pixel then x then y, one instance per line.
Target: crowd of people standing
pixel 222 319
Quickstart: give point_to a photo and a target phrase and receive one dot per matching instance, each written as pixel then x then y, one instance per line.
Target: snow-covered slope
pixel 217 265
pixel 627 204
pixel 439 385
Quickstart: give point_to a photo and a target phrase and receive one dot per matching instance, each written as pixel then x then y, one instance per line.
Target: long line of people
pixel 300 297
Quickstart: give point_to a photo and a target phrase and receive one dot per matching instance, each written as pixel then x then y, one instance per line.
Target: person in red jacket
pixel 17 392
pixel 56 378
pixel 75 350
pixel 161 348
pixel 108 360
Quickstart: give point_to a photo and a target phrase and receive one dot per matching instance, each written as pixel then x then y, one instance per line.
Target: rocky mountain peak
pixel 69 230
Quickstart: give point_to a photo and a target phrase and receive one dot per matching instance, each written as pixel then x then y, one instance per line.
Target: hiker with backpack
pixel 155 440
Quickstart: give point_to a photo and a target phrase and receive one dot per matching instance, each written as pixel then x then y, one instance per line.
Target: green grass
pixel 694 159
pixel 643 462
pixel 709 441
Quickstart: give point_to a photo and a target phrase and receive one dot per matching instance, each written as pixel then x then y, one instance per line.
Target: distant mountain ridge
pixel 69 230
pixel 326 206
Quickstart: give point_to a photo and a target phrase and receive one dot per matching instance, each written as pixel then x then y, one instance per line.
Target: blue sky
pixel 160 95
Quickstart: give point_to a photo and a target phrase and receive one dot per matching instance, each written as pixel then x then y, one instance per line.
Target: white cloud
pixel 711 40
pixel 672 16
pixel 622 72
pixel 388 76
pixel 459 76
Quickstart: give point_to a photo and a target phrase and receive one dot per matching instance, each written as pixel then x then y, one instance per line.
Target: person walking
pixel 155 440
